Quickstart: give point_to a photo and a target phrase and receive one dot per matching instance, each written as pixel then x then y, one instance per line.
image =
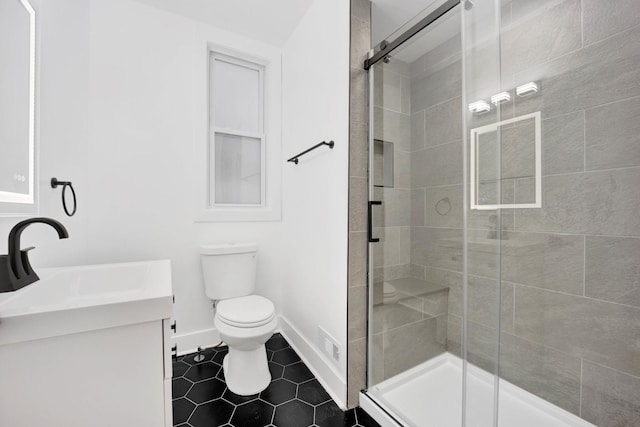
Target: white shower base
pixel 430 395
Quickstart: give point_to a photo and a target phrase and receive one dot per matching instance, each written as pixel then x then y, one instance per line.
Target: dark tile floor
pixel 293 399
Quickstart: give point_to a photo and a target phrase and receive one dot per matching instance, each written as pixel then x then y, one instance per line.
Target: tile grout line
pixel 584 265
pixel 584 140
pixel 580 401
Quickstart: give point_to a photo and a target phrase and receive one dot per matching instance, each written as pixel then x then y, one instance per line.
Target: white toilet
pixel 245 322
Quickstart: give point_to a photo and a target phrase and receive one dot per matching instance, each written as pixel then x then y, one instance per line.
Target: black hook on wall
pixel 55 183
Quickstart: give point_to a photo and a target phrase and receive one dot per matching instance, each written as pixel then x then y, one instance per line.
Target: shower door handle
pixel 370 220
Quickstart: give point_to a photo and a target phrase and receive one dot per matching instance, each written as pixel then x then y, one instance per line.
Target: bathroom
pixel 122 90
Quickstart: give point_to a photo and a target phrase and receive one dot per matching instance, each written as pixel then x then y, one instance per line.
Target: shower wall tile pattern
pixel 569 300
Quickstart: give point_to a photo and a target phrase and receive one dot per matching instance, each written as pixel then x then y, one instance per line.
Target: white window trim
pixel 270 135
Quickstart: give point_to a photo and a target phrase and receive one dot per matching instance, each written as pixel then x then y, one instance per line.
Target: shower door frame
pixel 377 54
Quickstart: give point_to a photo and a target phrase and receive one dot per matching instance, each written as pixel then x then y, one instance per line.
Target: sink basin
pixel 77 299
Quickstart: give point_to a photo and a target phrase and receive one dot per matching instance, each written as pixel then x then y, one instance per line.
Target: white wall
pixel 123 99
pixel 316 108
pixel 63 52
pixel 147 136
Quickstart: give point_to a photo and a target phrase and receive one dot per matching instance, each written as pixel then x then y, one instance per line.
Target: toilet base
pixel 246 372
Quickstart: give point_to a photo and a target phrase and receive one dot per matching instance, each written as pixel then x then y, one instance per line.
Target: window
pixel 239 149
pixel 237 140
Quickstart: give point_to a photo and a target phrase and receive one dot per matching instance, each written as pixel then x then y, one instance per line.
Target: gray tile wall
pixel 575 305
pixel 569 299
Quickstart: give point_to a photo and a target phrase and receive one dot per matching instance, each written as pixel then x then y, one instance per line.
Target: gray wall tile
pixel 544 33
pixel 360 41
pixel 417 131
pixel 603 332
pixel 417 272
pixel 405 100
pixel 609 398
pixel 443 122
pixel 613 135
pixel 390 272
pixel 613 269
pixel 402 169
pixel 396 207
pixel 484 299
pixel 431 89
pixel 377 358
pixel 361 9
pixel 357 374
pixel 482 348
pixel 357 309
pixel 387 90
pixel 543 371
pixel 437 247
pixel 592 203
pixel 598 74
pixel 454 334
pixel 435 304
pixel 395 314
pixel 358 197
pixel 387 251
pixel 392 126
pixel 405 246
pixel 359 96
pixel 605 18
pixel 410 345
pixel 563 144
pixel 399 67
pixel 550 261
pixel 437 165
pixel 488 193
pixel 417 207
pixel 518 150
pixel 358 150
pixel 357 258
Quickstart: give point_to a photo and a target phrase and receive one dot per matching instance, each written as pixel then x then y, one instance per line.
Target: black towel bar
pixel 294 159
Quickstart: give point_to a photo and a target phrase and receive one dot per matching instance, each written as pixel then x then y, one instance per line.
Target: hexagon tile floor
pixel 293 399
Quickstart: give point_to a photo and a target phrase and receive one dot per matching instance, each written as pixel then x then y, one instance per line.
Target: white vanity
pixel 88 346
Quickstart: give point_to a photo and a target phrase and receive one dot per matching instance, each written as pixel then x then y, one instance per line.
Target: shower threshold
pixel 430 395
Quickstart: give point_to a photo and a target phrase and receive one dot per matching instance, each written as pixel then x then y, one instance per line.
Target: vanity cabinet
pixel 100 365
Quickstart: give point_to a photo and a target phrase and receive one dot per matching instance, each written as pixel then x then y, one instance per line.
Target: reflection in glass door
pixel 417 303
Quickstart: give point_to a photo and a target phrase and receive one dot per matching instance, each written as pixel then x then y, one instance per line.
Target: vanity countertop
pixel 69 300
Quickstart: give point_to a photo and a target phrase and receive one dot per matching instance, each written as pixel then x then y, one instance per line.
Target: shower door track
pixel 387 47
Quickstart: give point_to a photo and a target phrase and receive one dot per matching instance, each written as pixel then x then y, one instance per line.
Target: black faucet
pixel 15 269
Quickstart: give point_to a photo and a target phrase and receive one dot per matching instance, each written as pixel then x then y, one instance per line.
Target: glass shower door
pixel 418 299
pixel 552 102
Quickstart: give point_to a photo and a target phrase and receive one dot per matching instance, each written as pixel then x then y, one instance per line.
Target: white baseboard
pixel 188 343
pixel 317 363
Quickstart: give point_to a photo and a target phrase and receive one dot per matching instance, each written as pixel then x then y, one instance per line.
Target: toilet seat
pixel 245 312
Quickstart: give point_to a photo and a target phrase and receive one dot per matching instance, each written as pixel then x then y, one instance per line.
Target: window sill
pixel 239 215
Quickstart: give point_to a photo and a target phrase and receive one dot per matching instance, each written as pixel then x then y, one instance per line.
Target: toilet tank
pixel 229 270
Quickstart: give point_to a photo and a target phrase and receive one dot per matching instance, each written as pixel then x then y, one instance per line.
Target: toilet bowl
pixel 245 324
pixel 244 321
pixel 390 293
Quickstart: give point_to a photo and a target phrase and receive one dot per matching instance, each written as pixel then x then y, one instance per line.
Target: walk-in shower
pixel 504 253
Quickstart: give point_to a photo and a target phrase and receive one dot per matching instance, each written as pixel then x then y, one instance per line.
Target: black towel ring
pixel 55 183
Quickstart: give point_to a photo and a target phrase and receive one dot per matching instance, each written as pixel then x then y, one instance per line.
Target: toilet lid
pixel 246 312
pixel 388 288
